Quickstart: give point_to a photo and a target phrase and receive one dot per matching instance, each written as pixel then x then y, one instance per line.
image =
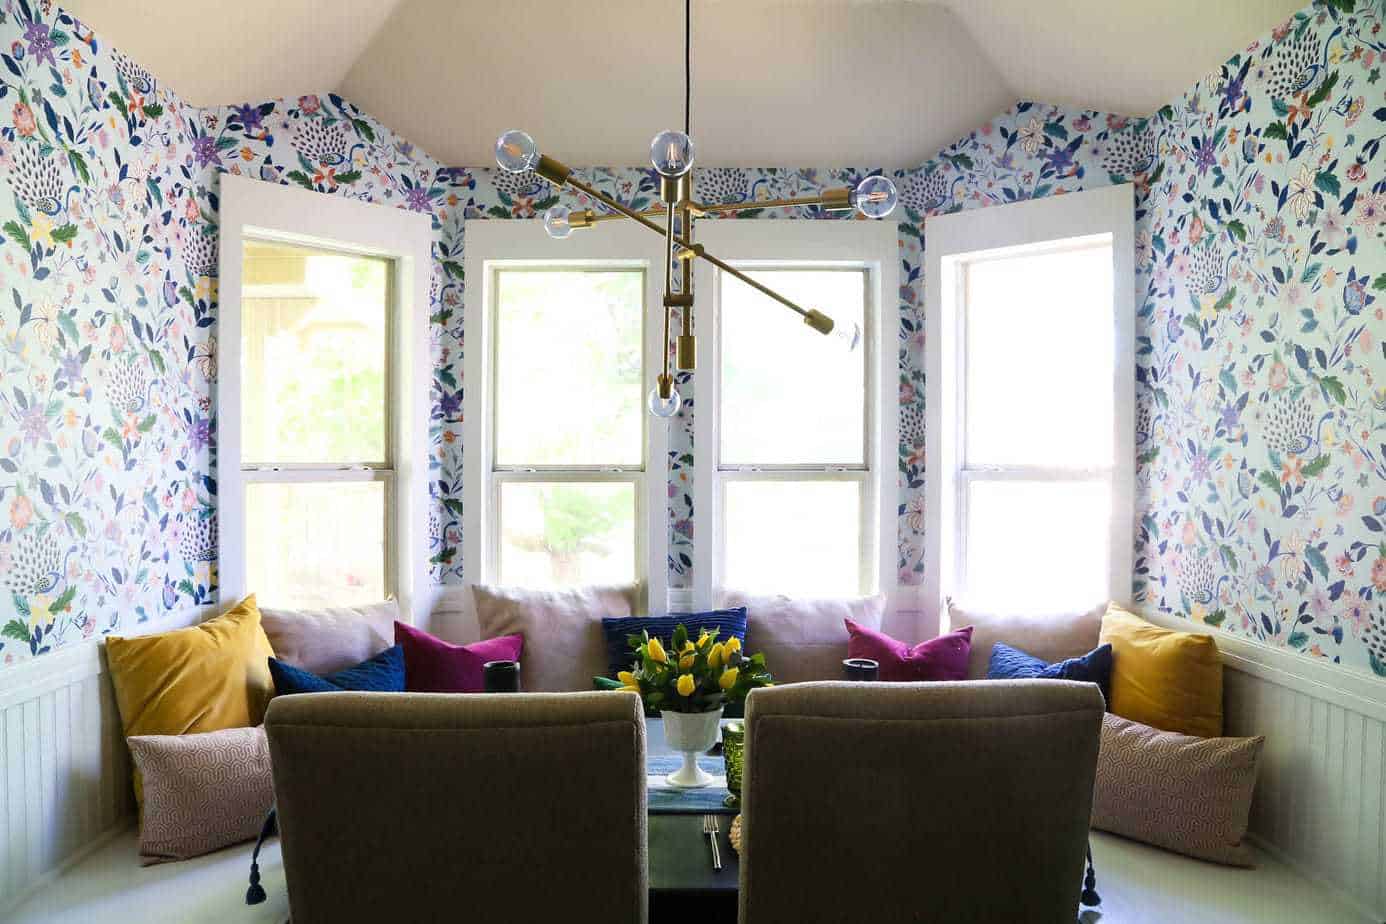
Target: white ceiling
pixel 811 82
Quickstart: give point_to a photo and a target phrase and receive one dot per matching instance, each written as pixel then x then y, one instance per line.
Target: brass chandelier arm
pixel 812 317
pixel 833 200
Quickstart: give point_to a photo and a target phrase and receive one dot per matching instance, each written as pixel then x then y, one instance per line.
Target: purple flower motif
pixel 418 200
pixel 33 423
pixel 450 405
pixel 1204 156
pixel 1230 416
pixel 249 116
pixel 1061 159
pixel 1232 92
pixel 70 368
pixel 1200 468
pixel 40 42
pixel 684 528
pixel 205 150
pixel 200 433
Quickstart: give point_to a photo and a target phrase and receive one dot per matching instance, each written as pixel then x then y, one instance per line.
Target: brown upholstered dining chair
pixel 957 802
pixel 433 807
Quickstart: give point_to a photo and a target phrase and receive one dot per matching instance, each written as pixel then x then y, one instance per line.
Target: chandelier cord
pixel 687 66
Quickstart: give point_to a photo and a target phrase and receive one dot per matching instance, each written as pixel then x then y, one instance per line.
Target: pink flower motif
pixel 21 512
pixel 1279 376
pixel 24 122
pixel 1343 564
pixel 309 104
pixel 907 392
pixel 1379 574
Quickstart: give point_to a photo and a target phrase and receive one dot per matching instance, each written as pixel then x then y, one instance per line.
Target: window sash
pixel 869 320
pixel 494 271
pixel 867 511
pixel 285 292
pixel 501 477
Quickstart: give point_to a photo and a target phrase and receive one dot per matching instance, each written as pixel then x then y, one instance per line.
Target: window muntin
pixel 315 421
pixel 567 414
pixel 795 493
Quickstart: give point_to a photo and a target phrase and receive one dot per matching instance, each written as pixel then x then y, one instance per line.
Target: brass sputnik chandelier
pixel 671 153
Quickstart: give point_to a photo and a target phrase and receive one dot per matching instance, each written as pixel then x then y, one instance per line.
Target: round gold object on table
pixel 734 835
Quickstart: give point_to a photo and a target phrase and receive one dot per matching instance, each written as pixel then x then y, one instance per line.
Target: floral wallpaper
pixel 1260 196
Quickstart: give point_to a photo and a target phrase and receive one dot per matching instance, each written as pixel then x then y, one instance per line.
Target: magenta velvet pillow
pixel 432 665
pixel 942 658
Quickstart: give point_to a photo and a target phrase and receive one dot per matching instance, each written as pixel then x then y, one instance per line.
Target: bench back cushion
pixel 1049 637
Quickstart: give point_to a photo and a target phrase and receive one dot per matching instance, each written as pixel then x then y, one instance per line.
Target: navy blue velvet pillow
pixel 618 652
pixel 1009 663
pixel 383 673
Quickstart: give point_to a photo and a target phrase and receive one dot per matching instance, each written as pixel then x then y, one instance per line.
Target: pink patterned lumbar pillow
pixel 201 792
pixel 942 658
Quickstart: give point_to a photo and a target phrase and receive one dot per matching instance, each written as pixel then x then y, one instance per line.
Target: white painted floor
pixel 1138 885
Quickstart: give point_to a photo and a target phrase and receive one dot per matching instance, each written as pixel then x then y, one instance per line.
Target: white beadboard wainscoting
pixel 64 767
pixel 1319 805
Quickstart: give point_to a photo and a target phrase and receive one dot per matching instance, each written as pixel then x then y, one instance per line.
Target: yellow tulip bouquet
pixel 690 676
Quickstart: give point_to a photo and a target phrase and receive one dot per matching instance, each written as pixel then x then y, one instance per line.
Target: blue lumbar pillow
pixel 1009 663
pixel 619 655
pixel 383 673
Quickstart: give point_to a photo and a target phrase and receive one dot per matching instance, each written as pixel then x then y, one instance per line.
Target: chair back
pixel 964 801
pixel 432 807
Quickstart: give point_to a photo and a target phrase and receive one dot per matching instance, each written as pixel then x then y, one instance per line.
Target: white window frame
pixel 493 246
pixel 256 210
pixel 956 240
pixel 869 246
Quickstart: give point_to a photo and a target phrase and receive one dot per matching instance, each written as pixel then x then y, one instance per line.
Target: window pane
pixel 1038 547
pixel 789 394
pixel 569 373
pixel 566 534
pixel 793 537
pixel 313 341
pixel 313 545
pixel 1039 345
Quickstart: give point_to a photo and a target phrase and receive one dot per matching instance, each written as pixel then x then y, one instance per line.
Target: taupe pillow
pixel 1052 637
pixel 564 645
pixel 328 640
pixel 804 638
pixel 1186 794
pixel 201 792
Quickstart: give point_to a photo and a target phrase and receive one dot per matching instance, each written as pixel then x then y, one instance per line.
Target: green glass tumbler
pixel 733 754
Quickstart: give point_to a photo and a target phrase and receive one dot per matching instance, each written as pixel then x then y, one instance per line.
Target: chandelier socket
pixel 678 299
pixel 818 321
pixel 584 219
pixel 556 172
pixel 673 189
pixel 837 200
pixel 687 353
pixel 689 252
pixel 664 385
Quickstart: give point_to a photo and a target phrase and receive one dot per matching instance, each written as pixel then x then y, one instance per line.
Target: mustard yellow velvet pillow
pixel 201 679
pixel 1162 678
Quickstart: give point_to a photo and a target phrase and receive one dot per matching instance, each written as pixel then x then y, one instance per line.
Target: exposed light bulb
pixel 671 152
pixel 847 335
pixel 875 197
pixel 516 151
pixel 664 407
pixel 556 222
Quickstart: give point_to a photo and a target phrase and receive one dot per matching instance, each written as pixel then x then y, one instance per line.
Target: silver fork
pixel 710 829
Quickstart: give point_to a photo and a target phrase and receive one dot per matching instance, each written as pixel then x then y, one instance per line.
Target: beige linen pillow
pixel 201 792
pixel 328 640
pixel 564 646
pixel 1186 794
pixel 804 638
pixel 1049 637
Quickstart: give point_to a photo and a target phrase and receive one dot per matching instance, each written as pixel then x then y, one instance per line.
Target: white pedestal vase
pixel 691 734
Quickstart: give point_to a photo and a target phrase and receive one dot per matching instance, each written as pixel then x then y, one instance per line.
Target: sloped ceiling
pixel 804 82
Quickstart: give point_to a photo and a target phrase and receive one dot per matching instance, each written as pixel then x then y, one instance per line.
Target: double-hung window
pixel 1030 383
pixel 795 434
pixel 321 391
pixel 565 468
